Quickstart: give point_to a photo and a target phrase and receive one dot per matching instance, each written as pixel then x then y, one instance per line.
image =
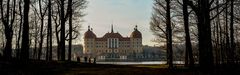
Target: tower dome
pixel 136 33
pixel 89 34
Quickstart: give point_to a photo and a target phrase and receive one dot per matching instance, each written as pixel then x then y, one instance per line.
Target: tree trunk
pixel 227 34
pixel 188 53
pixel 50 29
pixel 62 36
pixel 25 35
pixel 58 41
pixel 8 20
pixel 47 49
pixel 169 36
pixel 204 36
pixel 20 30
pixel 7 53
pixel 41 41
pixel 70 30
pixel 232 50
pixel 41 30
pixel 218 49
pixel 35 48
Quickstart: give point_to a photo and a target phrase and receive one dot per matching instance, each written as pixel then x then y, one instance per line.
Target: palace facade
pixel 112 45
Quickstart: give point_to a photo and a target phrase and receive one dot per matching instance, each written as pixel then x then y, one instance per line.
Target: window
pixel 113 43
pixel 109 43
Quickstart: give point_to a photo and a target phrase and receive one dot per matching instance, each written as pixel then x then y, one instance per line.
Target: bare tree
pixel 169 36
pixel 188 54
pixel 25 35
pixel 42 14
pixel 70 30
pixel 18 39
pixel 62 35
pixel 49 34
pixel 232 52
pixel 8 19
pixel 158 17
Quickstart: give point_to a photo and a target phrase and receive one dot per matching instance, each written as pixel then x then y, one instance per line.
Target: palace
pixel 112 45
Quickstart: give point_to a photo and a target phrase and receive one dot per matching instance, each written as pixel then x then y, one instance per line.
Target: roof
pixel 113 35
pixel 136 33
pixel 89 33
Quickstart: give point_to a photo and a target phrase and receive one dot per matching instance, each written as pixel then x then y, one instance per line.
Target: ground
pixel 76 68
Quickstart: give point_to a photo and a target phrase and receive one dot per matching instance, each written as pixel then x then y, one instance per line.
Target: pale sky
pixel 123 14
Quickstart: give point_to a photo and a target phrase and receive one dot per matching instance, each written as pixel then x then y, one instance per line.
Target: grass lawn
pixel 75 68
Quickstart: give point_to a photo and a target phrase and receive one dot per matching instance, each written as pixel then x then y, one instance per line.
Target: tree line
pixel 212 25
pixel 36 24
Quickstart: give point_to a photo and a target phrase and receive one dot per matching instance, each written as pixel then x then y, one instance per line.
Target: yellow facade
pixel 112 45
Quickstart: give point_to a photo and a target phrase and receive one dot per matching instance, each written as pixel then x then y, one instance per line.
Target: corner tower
pixel 136 41
pixel 89 41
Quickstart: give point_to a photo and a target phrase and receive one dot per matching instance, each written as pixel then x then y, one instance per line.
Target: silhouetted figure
pixel 85 59
pixel 94 60
pixel 89 60
pixel 78 59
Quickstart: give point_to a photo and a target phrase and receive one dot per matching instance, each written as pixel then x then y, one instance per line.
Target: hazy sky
pixel 123 14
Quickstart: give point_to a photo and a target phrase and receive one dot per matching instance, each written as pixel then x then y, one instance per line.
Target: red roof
pixel 101 39
pixel 136 34
pixel 89 34
pixel 125 39
pixel 113 35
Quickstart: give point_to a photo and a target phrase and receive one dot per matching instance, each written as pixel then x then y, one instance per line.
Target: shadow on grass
pixel 37 67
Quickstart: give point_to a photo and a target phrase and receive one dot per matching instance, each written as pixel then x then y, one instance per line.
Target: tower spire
pixel 112 28
pixel 135 27
pixel 88 27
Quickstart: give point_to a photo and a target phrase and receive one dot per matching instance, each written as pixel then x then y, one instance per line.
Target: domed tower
pixel 136 40
pixel 89 41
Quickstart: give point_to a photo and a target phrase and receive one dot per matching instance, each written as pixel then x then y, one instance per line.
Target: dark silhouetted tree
pixel 162 14
pixel 70 30
pixel 49 32
pixel 18 39
pixel 25 35
pixel 42 13
pixel 8 18
pixel 188 53
pixel 232 50
pixel 62 35
pixel 169 36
